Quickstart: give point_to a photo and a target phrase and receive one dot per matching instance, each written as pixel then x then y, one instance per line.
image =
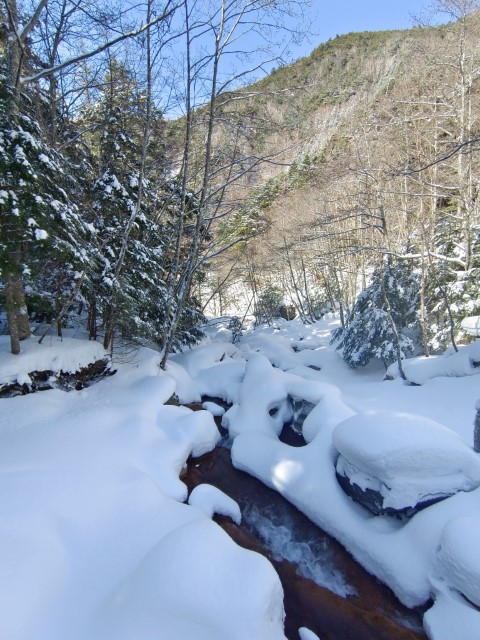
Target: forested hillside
pixel 146 180
pixel 381 189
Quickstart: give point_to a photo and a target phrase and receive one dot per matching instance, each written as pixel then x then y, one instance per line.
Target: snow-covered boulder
pixel 456 582
pixel 457 560
pixel 211 500
pixel 398 462
pixel 215 370
pixel 63 363
pixel 263 404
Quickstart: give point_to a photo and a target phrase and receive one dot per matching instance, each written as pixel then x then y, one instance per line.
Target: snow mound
pixel 215 409
pixel 263 404
pixel 457 560
pixel 196 360
pixel 94 541
pixel 407 458
pixel 211 500
pixel 451 617
pixel 68 355
pixel 306 634
pixel 266 396
pixel 464 362
pixel 330 411
pixel 278 349
pixel 215 370
pixel 196 583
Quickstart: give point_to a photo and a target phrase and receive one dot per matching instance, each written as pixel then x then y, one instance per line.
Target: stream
pixel 325 589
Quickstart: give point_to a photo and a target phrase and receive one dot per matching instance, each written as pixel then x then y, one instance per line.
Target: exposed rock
pixel 45 380
pixel 373 500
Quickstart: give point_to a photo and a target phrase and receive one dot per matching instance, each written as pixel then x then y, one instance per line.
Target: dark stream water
pixel 325 589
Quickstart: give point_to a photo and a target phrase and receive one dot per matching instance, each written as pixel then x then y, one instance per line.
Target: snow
pixel 464 362
pixel 415 459
pixel 94 541
pixel 97 543
pixel 457 562
pixel 306 634
pixel 471 325
pixel 399 553
pixel 451 617
pixel 175 594
pixel 214 408
pixel 198 372
pixel 66 355
pixel 41 234
pixel 211 500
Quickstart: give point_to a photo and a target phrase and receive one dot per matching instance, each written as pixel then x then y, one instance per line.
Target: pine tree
pixel 116 199
pixel 380 316
pixel 39 225
pixel 453 291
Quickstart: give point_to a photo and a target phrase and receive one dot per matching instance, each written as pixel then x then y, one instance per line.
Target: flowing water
pixel 282 537
pixel 325 589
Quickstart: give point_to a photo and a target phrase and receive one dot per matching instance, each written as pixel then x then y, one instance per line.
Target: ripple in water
pixel 313 559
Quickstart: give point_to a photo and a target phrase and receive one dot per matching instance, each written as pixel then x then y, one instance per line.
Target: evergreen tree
pixel 452 285
pixel 134 222
pixel 380 316
pixel 269 305
pixel 39 225
pixel 118 206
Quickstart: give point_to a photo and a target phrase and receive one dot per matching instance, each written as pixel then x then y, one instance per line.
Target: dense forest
pixel 149 177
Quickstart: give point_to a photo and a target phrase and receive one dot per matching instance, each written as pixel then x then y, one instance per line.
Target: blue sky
pixel 336 17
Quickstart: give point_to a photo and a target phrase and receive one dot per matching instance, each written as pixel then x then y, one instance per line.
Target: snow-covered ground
pixel 96 540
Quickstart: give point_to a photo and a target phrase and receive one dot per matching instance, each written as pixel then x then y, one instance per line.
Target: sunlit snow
pixel 96 541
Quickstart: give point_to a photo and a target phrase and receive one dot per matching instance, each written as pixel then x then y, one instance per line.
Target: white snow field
pixel 97 543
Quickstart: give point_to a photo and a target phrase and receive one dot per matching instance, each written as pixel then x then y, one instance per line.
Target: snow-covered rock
pixel 67 355
pixel 407 459
pixel 306 634
pixel 457 561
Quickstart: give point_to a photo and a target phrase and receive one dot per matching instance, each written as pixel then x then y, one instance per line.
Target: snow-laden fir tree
pixel 131 213
pixel 453 276
pixel 383 317
pixel 118 209
pixel 39 224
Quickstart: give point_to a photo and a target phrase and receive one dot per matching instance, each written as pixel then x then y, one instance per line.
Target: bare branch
pixel 31 24
pixel 107 45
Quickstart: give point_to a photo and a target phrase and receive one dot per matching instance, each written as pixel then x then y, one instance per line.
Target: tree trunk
pixel 11 314
pixel 92 321
pixel 476 435
pixel 396 337
pixel 17 316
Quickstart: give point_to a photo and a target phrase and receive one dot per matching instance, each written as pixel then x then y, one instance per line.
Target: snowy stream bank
pixel 97 543
pixel 325 589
